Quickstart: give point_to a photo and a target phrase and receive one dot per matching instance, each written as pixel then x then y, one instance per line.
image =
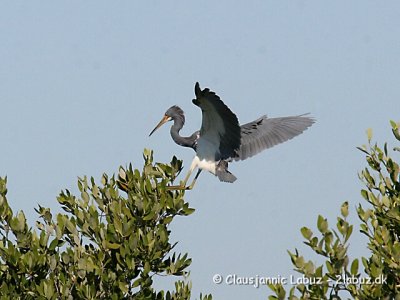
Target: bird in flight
pixel 221 139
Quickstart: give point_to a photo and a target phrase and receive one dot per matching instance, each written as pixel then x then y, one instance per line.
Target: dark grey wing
pixel 220 127
pixel 265 133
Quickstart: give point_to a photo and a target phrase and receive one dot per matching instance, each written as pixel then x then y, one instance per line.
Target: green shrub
pixel 373 277
pixel 109 244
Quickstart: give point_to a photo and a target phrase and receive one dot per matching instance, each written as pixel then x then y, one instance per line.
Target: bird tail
pixel 223 174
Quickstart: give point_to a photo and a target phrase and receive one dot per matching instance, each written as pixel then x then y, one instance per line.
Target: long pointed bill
pixel 164 120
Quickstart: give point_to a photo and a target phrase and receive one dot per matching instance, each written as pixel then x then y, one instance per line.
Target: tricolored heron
pixel 221 139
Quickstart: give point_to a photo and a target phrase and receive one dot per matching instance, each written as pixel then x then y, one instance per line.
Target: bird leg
pixel 183 185
pixel 194 180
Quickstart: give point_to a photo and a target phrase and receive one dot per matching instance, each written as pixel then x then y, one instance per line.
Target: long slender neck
pixel 180 140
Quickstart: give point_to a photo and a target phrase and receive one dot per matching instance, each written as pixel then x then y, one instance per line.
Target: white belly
pixel 204 164
pixel 205 155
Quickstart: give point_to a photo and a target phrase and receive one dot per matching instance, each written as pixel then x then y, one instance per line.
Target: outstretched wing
pixel 220 130
pixel 265 133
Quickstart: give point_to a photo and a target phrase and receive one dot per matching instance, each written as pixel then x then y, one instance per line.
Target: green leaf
pixel 306 232
pixel 122 173
pixel 362 149
pixel 364 194
pixel 110 245
pixel 309 268
pixel 118 225
pixel 322 224
pixel 18 223
pixel 149 216
pixel 85 197
pixel 329 267
pixel 345 209
pixel 365 262
pixel 123 286
pixel 369 134
pixel 53 244
pixel 348 232
pixel 300 262
pixel 354 267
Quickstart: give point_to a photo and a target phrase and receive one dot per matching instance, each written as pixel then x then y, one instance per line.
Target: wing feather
pixel 220 126
pixel 265 133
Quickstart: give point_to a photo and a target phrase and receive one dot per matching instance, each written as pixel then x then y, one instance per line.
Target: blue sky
pixel 83 83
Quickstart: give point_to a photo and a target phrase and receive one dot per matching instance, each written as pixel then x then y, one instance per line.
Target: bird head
pixel 172 113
